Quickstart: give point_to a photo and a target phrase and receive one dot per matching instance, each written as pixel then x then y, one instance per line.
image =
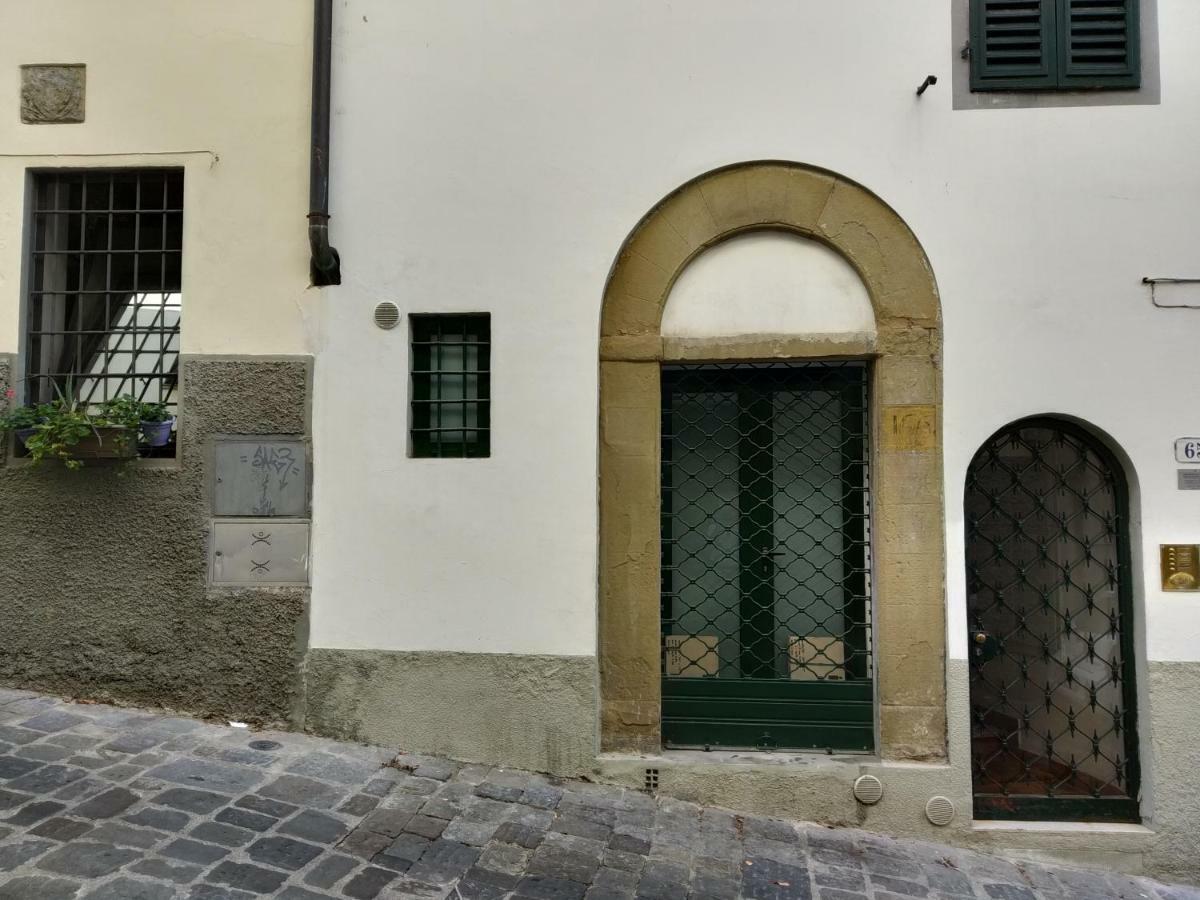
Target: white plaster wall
pixel 220 88
pixel 768 283
pixel 494 157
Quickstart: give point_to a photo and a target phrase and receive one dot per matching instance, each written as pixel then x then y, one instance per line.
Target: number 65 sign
pixel 1187 450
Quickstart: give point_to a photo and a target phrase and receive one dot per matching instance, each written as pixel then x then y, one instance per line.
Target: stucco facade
pixel 528 163
pixel 104 573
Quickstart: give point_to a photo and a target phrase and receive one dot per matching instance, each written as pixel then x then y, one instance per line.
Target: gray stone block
pixel 61 829
pixel 86 860
pixel 330 870
pixel 241 876
pixel 129 889
pixel 38 887
pixel 35 812
pixel 53 720
pixel 243 818
pixel 283 852
pixel 199 802
pixel 220 833
pixel 443 862
pixel 368 883
pixel 180 873
pixel 315 826
pixel 273 808
pixel 163 819
pixel 193 851
pixel 46 779
pixel 224 777
pixel 106 805
pixel 303 791
pixel 14 767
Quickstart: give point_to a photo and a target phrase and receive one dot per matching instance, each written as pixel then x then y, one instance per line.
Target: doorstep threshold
pixel 745 758
pixel 1014 826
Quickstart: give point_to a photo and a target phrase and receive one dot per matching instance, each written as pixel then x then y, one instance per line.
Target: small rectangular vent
pixel 651 784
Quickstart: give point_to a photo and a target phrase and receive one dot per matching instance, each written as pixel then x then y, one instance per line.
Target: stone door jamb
pixel 907 510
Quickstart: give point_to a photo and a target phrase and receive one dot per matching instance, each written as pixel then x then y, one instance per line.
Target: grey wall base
pixel 533 712
pixel 103 580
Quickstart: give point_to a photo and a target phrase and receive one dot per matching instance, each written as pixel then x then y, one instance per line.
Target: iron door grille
pixel 1052 690
pixel 766 609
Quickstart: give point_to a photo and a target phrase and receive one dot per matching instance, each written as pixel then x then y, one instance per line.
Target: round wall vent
pixel 939 810
pixel 868 789
pixel 387 315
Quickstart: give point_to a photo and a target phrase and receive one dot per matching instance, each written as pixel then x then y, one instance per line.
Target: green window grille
pixel 451 385
pixel 1048 45
pixel 766 600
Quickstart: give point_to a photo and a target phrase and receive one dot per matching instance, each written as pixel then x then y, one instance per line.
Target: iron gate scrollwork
pixel 766 612
pixel 1051 651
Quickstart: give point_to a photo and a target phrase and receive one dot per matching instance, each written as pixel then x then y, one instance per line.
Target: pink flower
pixel 9 394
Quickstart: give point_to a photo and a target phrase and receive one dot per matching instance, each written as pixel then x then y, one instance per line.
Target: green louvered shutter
pixel 1013 45
pixel 1098 44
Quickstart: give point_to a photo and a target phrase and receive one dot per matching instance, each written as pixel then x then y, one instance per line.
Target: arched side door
pixel 1051 630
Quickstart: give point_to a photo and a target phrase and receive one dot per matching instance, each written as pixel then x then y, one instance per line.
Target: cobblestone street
pixel 117 804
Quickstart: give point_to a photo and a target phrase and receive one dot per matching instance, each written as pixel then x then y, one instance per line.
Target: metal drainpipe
pixel 325 267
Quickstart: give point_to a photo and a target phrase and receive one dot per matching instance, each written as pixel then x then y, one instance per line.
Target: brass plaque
pixel 909 428
pixel 1180 567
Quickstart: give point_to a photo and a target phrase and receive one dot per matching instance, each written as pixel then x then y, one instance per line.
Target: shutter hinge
pixel 965 52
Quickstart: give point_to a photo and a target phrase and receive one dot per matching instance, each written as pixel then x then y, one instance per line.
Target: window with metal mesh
pixel 1052 697
pixel 766 589
pixel 451 385
pixel 105 285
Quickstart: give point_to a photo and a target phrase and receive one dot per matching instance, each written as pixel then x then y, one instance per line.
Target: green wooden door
pixel 765 557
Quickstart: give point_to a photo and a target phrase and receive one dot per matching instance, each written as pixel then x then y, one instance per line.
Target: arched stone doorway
pixel 904 426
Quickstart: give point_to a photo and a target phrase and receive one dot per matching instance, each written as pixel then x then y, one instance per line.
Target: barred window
pixel 451 385
pixel 104 285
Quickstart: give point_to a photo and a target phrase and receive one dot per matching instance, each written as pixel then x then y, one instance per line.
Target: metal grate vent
pixel 868 789
pixel 651 783
pixel 939 810
pixel 387 315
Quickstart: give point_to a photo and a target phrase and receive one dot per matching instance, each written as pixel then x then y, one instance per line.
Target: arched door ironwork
pixel 1048 604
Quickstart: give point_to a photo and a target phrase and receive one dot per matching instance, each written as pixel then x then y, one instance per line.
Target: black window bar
pixel 451 385
pixel 105 285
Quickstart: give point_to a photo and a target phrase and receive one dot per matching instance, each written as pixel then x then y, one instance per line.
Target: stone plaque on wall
pixel 259 551
pixel 52 94
pixel 260 477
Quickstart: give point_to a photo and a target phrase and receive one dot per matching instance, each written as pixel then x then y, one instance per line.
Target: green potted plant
pixel 64 429
pixel 155 423
pixel 21 420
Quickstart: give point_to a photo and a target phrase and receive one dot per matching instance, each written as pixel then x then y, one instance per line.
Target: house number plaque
pixel 1180 567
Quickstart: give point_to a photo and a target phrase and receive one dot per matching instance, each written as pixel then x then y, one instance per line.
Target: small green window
pixel 1054 45
pixel 451 385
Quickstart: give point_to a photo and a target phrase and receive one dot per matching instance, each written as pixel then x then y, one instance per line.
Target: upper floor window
pixel 104 286
pixel 1054 45
pixel 451 385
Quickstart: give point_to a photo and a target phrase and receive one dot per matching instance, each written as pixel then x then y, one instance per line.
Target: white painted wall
pixel 220 88
pixel 495 156
pixel 768 283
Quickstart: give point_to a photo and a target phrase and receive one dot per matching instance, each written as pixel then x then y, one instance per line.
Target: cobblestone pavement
pixel 103 803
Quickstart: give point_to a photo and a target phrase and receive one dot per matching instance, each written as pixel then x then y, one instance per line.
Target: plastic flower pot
pixel 23 434
pixel 157 434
